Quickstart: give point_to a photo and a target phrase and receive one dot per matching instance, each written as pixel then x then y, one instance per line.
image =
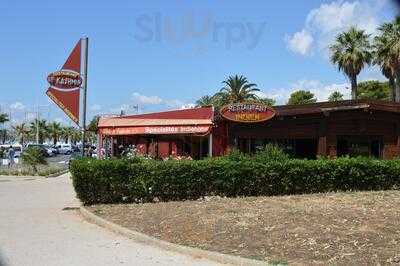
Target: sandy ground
pixel 35 230
pixel 354 228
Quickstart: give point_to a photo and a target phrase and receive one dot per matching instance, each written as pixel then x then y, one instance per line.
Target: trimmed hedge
pixel 122 180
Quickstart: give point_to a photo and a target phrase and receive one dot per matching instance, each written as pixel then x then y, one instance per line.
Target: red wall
pixel 220 138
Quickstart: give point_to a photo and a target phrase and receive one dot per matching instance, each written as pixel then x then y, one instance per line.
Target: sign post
pixel 67 83
pixel 85 42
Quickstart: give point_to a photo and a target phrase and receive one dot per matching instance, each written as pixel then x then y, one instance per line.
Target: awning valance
pixel 156 130
pixel 196 121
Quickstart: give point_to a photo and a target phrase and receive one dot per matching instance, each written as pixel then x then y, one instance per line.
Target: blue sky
pixel 166 54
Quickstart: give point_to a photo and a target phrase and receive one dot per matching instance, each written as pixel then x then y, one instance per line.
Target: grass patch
pixel 22 170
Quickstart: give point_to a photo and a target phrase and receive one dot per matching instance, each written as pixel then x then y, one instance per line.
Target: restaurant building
pixel 362 127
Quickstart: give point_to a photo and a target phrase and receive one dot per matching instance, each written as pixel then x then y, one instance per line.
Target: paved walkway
pixel 35 230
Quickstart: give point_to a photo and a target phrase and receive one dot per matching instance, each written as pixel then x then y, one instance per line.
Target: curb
pixel 60 173
pixel 57 174
pixel 151 241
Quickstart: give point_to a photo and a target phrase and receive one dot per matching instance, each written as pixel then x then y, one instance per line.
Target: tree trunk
pixel 4 133
pixel 354 88
pixel 397 95
pixel 392 85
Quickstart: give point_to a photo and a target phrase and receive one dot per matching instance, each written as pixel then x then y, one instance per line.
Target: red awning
pixel 189 121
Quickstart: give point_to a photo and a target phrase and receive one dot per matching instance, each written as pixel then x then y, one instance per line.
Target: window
pixel 368 146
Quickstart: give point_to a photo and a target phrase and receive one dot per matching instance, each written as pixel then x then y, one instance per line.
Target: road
pixel 36 229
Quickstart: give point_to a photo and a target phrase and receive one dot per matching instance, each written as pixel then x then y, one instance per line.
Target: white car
pixel 46 151
pixel 65 148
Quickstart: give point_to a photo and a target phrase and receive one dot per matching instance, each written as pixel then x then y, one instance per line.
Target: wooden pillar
pixel 100 137
pixel 398 140
pixel 112 147
pixel 322 139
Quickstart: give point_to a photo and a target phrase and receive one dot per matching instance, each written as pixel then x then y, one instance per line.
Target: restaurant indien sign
pixel 247 112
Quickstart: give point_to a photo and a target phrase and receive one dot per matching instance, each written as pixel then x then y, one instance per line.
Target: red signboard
pixel 247 112
pixel 65 85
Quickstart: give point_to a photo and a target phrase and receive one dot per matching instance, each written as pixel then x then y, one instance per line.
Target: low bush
pixel 33 157
pixel 123 180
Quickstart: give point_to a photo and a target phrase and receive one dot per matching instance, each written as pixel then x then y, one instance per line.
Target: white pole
pixel 37 125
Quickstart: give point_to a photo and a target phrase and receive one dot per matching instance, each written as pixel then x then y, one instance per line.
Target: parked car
pixel 75 148
pixel 55 149
pixel 65 148
pixel 45 151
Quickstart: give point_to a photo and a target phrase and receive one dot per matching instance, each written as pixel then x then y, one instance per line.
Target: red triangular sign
pixel 63 92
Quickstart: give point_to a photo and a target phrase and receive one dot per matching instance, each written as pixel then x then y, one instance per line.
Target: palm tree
pixel 351 52
pixel 92 127
pixel 335 96
pixel 76 135
pixel 238 89
pixel 387 54
pixel 22 132
pixel 66 134
pixel 205 101
pixel 54 131
pixel 3 118
pixel 266 101
pixel 42 125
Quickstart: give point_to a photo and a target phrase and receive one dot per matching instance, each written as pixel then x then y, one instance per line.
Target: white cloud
pixel 261 94
pixel 188 106
pixel 372 73
pixel 123 107
pixel 60 120
pixel 325 22
pixel 300 42
pixel 95 107
pixel 30 116
pixel 17 106
pixel 143 99
pixel 175 103
pixel 280 95
pixel 320 90
pixel 150 104
pixel 340 15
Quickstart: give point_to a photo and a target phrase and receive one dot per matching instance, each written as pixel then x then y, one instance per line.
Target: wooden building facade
pixel 364 127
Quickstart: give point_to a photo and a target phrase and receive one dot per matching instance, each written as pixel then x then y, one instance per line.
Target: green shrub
pixel 266 174
pixel 271 152
pixel 33 157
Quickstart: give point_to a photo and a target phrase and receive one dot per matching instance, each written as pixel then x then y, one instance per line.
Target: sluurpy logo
pixel 198 33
